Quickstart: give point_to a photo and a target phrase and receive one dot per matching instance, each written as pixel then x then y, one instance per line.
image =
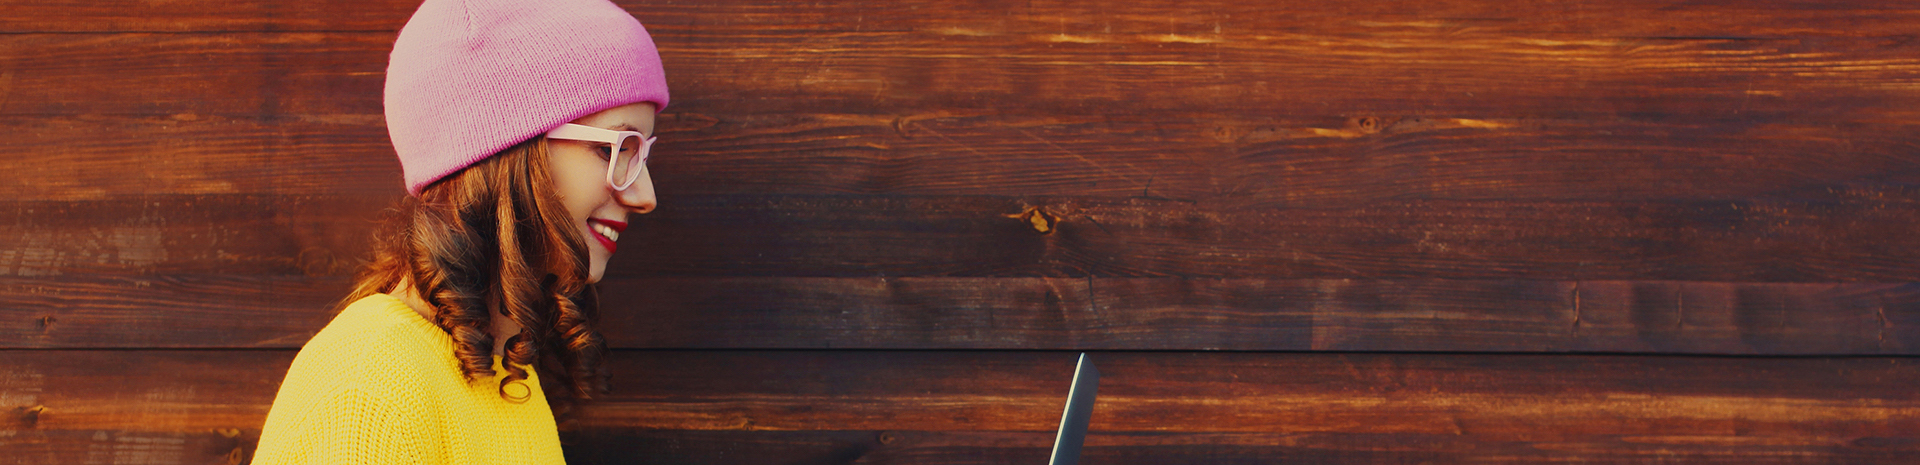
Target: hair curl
pixel 494 239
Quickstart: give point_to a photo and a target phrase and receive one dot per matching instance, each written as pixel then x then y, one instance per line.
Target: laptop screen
pixel 1073 420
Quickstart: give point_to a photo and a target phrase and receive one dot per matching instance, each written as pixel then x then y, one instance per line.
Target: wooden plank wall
pixel 1434 231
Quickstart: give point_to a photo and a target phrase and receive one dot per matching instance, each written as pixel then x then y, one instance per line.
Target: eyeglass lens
pixel 627 163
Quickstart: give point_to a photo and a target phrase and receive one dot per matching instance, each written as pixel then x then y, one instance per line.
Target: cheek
pixel 578 177
pixel 580 200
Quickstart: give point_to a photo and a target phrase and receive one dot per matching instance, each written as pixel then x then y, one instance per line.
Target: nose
pixel 638 197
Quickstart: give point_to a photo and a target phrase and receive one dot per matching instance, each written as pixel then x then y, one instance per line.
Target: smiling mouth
pixel 607 232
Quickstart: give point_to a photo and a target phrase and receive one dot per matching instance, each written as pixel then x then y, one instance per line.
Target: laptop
pixel 1073 420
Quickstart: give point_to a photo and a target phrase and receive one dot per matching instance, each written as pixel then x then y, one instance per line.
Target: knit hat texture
pixel 469 78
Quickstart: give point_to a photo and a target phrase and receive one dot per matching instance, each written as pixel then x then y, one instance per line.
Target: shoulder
pixel 377 340
pixel 358 390
pixel 377 315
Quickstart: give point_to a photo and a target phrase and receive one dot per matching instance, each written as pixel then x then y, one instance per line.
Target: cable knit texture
pixel 380 385
pixel 469 78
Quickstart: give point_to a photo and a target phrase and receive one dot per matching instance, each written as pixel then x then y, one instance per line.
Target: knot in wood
pixel 31 415
pixel 900 127
pixel 888 437
pixel 1368 124
pixel 1040 220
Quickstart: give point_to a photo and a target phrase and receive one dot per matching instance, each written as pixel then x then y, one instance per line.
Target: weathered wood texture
pixel 1263 160
pixel 1551 58
pixel 976 407
pixel 188 311
pixel 1267 315
pixel 765 235
pixel 1338 156
pixel 1462 99
pixel 1238 184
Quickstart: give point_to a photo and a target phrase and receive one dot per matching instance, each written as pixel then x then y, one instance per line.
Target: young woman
pixel 522 128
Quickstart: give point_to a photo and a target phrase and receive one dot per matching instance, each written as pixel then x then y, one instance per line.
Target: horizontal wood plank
pixel 1391 67
pixel 1742 240
pixel 243 235
pixel 180 311
pixel 1862 238
pixel 1498 396
pixel 616 446
pixel 1263 315
pixel 1045 313
pixel 65 158
pixel 841 406
pixel 205 16
pixel 1306 162
pixel 262 75
pixel 610 446
pixel 227 446
pixel 1647 18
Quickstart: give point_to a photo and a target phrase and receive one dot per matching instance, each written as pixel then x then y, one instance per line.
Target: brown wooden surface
pixel 1551 59
pixel 1277 201
pixel 916 447
pixel 1654 317
pixel 1625 18
pixel 1864 239
pixel 1265 315
pixel 1201 158
pixel 967 407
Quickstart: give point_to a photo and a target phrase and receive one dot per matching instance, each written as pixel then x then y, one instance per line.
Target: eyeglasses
pixel 628 150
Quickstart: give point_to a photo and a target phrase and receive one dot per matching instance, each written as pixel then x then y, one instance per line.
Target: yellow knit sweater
pixel 380 385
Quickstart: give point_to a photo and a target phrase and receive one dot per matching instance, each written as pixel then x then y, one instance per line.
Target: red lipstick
pixel 608 242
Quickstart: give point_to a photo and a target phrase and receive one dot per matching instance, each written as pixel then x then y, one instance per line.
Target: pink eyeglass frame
pixel 614 139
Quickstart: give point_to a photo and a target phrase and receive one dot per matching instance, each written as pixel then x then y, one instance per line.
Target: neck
pixel 501 327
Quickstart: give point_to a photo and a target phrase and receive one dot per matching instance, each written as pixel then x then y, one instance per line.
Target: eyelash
pixel 606 152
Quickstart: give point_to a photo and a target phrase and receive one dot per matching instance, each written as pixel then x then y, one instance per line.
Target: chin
pixel 596 262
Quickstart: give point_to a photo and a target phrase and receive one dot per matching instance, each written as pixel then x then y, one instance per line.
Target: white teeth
pixel 604 230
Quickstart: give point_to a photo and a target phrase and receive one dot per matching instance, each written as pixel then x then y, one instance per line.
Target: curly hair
pixel 494 239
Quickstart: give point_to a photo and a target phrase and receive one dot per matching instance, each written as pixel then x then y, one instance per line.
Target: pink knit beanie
pixel 469 78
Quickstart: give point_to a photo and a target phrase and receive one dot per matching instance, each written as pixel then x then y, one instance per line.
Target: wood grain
pixel 1329 161
pixel 932 404
pixel 943 447
pixel 614 446
pixel 1743 240
pixel 1650 18
pixel 34 447
pixel 187 235
pixel 1248 314
pixel 1860 239
pixel 203 16
pixel 156 391
pixel 1303 232
pixel 1397 67
pixel 1262 315
pixel 262 75
pixel 1275 160
pixel 179 311
pixel 70 158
